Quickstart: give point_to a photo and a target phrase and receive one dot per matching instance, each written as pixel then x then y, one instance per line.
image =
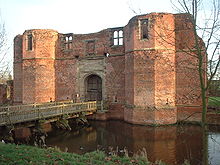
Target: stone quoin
pixel 141 70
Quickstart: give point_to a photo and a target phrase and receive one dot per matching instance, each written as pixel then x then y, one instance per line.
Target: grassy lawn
pixel 28 155
pixel 214 101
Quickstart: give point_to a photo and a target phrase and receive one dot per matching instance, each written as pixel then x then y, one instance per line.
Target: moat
pixel 171 144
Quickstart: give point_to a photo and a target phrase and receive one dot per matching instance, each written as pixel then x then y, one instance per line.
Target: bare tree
pixel 4 63
pixel 205 21
pixel 205 25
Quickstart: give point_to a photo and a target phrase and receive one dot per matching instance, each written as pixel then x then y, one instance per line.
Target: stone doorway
pixel 93 88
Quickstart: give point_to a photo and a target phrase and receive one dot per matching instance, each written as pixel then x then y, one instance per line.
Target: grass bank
pixel 28 155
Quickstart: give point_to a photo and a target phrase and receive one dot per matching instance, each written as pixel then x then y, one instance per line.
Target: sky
pixel 76 16
pixel 72 16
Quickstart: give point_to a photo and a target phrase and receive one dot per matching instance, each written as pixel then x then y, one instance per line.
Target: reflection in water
pixel 214 148
pixel 171 144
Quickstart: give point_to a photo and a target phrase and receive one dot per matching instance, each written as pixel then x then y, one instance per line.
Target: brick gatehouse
pixel 142 69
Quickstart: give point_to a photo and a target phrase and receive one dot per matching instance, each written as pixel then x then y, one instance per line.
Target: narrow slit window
pixel 30 42
pixel 144 29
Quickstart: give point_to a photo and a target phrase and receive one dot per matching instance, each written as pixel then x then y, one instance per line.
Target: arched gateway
pixel 93 85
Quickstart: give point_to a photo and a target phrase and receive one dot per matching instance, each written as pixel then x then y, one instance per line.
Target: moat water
pixel 171 144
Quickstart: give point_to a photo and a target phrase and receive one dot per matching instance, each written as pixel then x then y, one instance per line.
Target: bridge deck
pixel 31 112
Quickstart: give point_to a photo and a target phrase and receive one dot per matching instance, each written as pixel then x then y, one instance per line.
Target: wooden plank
pixel 24 113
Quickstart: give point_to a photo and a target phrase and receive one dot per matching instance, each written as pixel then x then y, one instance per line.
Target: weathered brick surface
pixel 3 93
pixel 38 72
pixel 47 127
pixel 6 92
pixel 151 67
pixel 65 74
pixel 22 133
pixel 10 91
pixel 190 113
pixel 18 79
pixel 188 92
pixel 144 80
pixel 115 79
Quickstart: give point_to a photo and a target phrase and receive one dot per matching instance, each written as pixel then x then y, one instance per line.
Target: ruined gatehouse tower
pixel 139 69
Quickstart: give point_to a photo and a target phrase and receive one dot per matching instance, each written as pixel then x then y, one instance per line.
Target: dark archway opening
pixel 93 88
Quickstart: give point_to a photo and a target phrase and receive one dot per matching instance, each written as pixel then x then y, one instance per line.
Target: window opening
pixel 30 42
pixel 68 39
pixel 118 37
pixel 90 48
pixel 144 29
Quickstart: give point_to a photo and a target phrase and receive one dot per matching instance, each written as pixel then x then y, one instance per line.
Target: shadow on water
pixel 171 144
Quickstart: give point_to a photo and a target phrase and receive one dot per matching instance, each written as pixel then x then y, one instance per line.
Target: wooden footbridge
pixel 31 112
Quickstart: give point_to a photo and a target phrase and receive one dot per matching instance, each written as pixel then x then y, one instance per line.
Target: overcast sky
pixel 76 16
pixel 72 16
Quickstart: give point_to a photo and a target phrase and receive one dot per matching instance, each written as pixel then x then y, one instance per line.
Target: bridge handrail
pixel 18 107
pixel 35 113
pixel 36 106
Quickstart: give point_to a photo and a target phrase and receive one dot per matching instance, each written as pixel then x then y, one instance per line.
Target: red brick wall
pixel 45 80
pixel 65 73
pixel 38 66
pixel 115 79
pixel 152 64
pixel 18 79
pixel 188 99
pixel 144 78
pixel 67 62
pixel 28 81
pixel 3 93
pixel 10 90
pixel 129 78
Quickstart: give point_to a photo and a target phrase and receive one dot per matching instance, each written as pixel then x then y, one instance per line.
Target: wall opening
pixel 90 48
pixel 118 37
pixel 67 41
pixel 144 29
pixel 29 42
pixel 93 88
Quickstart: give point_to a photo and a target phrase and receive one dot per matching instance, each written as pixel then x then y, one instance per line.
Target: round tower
pixel 39 47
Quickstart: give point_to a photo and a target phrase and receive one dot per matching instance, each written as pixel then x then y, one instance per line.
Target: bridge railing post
pixel 101 105
pixel 62 108
pixel 8 115
pixel 38 111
